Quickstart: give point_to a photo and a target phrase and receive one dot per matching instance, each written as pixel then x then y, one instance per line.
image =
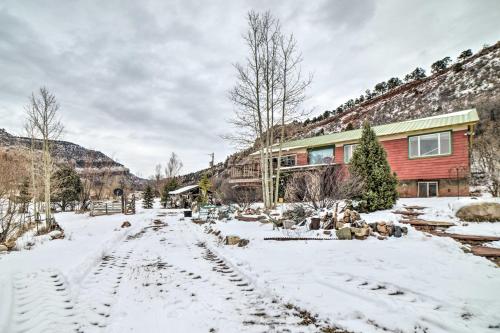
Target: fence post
pixel 106 207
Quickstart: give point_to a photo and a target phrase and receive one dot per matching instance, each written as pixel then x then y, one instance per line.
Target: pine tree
pixel 147 197
pixel 67 187
pixel 369 162
pixel 205 186
pixel 171 185
pixel 24 196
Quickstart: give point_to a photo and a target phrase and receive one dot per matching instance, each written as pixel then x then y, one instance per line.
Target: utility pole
pixel 212 160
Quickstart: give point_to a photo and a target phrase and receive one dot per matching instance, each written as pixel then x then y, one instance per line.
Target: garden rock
pixel 344 234
pixel 288 224
pixel 361 233
pixel 243 242
pixel 56 234
pixel 397 231
pixel 11 244
pixel 232 240
pixel 315 223
pixel 126 224
pixel 480 212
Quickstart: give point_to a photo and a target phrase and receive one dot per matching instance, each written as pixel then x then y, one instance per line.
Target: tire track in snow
pixel 42 303
pixel 101 286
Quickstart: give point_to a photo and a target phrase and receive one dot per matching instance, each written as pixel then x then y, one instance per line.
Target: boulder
pixel 347 216
pixel 3 248
pixel 339 225
pixel 383 229
pixel 56 234
pixel 288 224
pixel 327 232
pixel 480 212
pixel 354 216
pixel 11 244
pixel 404 230
pixel 243 242
pixel 232 240
pixel 361 233
pixel 344 234
pixel 126 224
pixel 315 223
pixel 397 231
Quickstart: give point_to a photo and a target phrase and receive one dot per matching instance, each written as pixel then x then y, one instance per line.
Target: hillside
pixel 66 152
pixel 462 85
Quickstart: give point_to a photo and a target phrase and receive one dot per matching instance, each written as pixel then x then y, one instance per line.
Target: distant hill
pixel 81 158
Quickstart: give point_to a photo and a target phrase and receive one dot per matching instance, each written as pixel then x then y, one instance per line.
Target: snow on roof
pixel 183 189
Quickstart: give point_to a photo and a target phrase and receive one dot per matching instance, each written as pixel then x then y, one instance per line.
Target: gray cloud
pixel 140 79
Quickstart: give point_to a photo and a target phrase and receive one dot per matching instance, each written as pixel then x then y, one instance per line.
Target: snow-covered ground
pixel 175 277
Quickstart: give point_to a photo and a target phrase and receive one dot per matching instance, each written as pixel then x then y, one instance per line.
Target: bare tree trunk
pixel 41 114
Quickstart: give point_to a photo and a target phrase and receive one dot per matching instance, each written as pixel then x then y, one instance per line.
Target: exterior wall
pixel 437 167
pixel 409 171
pixel 302 158
pixel 446 187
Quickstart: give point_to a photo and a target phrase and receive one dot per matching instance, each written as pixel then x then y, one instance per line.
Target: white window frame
pixel 439 153
pixel 320 148
pixel 351 147
pixel 428 182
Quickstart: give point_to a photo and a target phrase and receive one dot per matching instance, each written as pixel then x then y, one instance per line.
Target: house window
pixel 321 156
pixel 434 144
pixel 286 161
pixel 427 189
pixel 348 151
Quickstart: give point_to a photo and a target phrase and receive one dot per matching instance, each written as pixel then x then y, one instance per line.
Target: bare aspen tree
pixel 42 118
pixel 157 178
pixel 292 90
pixel 261 96
pixel 174 166
pixel 34 167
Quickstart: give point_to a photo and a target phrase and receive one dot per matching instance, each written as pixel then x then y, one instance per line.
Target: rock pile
pixel 361 230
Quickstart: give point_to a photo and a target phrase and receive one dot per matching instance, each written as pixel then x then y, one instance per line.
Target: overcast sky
pixel 140 79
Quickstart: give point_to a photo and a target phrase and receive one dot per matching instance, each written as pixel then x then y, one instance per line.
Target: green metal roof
pixel 445 120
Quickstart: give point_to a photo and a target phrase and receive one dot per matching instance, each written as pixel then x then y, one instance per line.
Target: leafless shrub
pixel 12 172
pixel 322 188
pixel 486 152
pixel 228 193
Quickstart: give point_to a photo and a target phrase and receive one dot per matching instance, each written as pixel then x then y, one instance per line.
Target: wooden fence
pixel 105 208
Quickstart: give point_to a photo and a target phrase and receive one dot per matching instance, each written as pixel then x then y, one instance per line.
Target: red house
pixel 430 156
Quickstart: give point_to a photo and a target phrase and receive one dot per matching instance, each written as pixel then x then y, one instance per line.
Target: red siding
pixel 422 168
pixel 301 158
pixel 429 167
pixel 339 155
